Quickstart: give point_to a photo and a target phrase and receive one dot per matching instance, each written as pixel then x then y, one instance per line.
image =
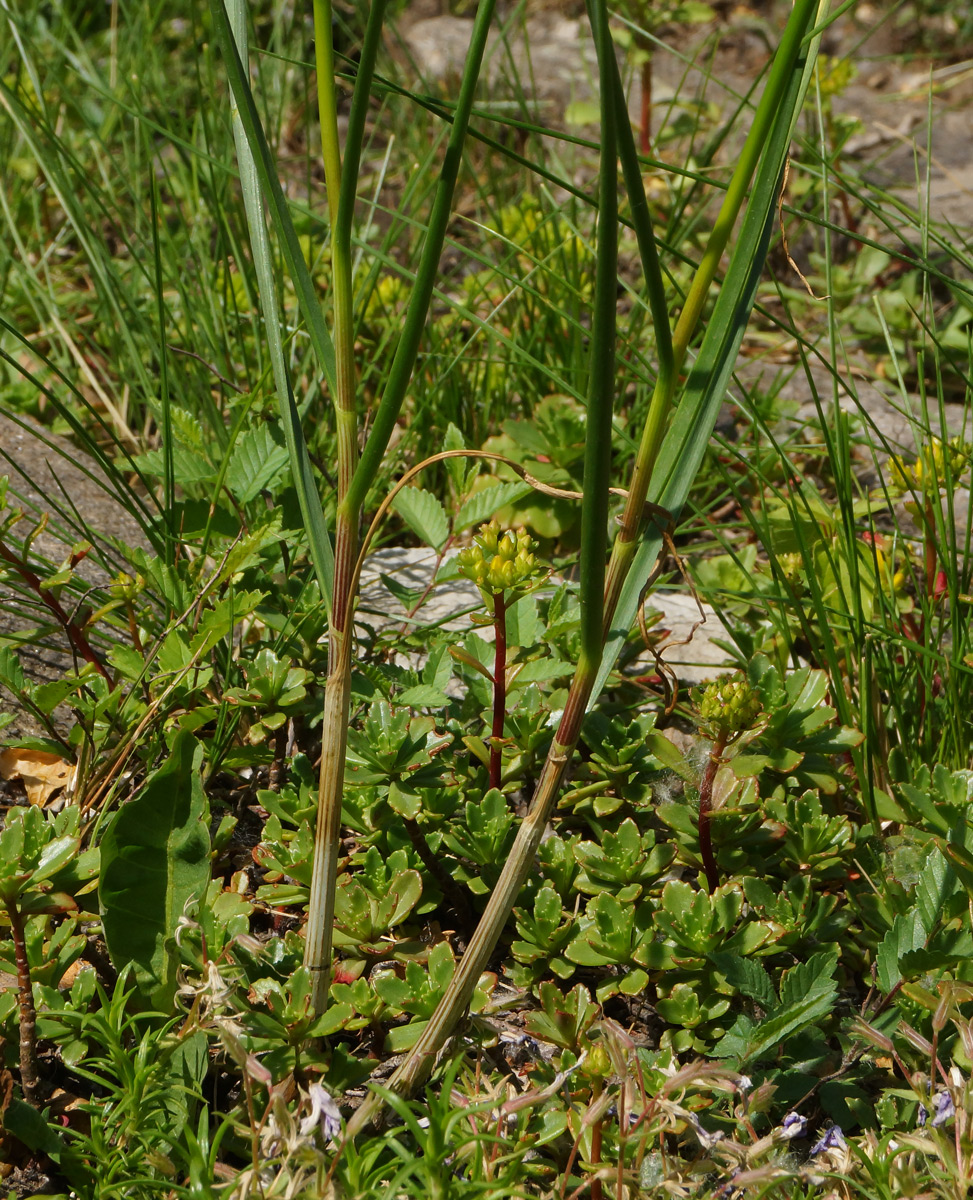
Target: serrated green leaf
pixel 747 976
pixel 424 515
pixel 937 883
pixel 907 933
pixel 811 980
pixel 483 504
pixel 257 462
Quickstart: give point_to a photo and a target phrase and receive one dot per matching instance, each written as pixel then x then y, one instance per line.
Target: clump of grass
pixel 656 965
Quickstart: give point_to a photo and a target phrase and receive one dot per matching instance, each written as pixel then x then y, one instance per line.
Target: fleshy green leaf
pixel 154 865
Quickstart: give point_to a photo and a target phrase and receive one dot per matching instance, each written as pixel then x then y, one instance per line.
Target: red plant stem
pixel 705 808
pixel 645 111
pixel 29 1080
pixel 597 1192
pixel 929 550
pixel 499 687
pixel 75 634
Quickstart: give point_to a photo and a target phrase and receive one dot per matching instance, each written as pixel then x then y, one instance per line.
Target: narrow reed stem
pixel 29 1077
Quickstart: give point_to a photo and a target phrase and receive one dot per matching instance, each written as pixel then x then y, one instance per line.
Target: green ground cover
pixel 299 907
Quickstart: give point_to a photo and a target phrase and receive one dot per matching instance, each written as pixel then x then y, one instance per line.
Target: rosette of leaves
pixel 797 912
pixel 564 1019
pixel 626 863
pixel 693 997
pixel 418 989
pixel 275 689
pixel 618 770
pixel 481 838
pixel 393 753
pixel 279 1021
pixel 790 753
pixel 371 904
pixel 544 932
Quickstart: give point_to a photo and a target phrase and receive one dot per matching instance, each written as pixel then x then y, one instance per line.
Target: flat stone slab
pixel 49 475
pixel 689 649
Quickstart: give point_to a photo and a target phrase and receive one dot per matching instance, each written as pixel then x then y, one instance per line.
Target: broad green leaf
pixel 154 866
pixel 536 670
pixel 483 504
pixel 422 695
pixel 424 515
pixel 749 978
pixel 907 933
pixel 257 461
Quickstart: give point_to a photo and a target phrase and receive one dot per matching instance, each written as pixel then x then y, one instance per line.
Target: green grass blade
pixel 400 372
pixel 684 445
pixel 319 543
pixel 273 194
pixel 644 234
pixel 165 400
pixel 601 369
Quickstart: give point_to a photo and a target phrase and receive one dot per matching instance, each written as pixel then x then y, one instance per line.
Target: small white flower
pixel 324 1114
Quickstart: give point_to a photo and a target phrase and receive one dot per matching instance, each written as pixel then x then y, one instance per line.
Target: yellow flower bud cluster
pixel 126 589
pixel 889 563
pixel 729 705
pixel 929 471
pixel 791 565
pixel 386 300
pixel 833 75
pixel 498 561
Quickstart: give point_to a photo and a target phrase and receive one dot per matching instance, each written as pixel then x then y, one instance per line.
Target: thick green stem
pixel 334 742
pixel 337 692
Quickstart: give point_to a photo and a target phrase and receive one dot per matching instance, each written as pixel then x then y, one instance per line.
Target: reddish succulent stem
pixel 75 634
pixel 29 1079
pixel 930 550
pixel 645 111
pixel 597 1192
pixel 499 687
pixel 705 809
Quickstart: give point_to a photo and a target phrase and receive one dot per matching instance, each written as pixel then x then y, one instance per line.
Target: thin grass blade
pixel 684 445
pixel 273 195
pixel 319 544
